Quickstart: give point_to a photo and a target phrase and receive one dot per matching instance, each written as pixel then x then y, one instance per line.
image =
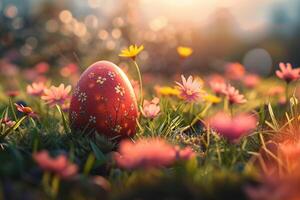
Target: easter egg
pixel 103 101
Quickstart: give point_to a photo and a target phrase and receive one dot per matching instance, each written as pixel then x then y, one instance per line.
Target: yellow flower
pixel 167 91
pixel 131 52
pixel 212 99
pixel 184 52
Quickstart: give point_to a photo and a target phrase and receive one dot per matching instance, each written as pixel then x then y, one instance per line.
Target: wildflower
pixel 234 71
pixel 25 109
pixel 6 121
pixel 151 109
pixel 212 99
pixel 184 154
pixel 234 96
pixel 218 88
pixel 167 91
pixel 69 70
pixel 59 165
pixel 12 93
pixel 42 68
pixel 149 153
pixel 287 73
pixel 131 52
pixel 190 90
pixel 251 80
pixel 184 52
pixel 36 89
pixel 215 78
pixel 232 128
pixel 56 95
pixel 275 91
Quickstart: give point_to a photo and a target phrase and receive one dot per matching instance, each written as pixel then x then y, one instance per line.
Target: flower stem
pixel 286 92
pixel 140 80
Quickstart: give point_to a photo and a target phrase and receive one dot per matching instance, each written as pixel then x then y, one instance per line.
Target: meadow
pixel 217 136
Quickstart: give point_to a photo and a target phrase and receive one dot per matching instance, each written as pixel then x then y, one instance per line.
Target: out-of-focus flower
pixel 69 70
pixel 56 95
pixel 184 52
pixel 131 52
pixel 184 154
pixel 148 153
pixel 218 88
pixel 287 73
pixel 42 67
pixel 35 89
pixel 25 109
pixel 212 99
pixel 234 71
pixel 289 154
pixel 7 122
pixel 190 90
pixel 276 90
pixel 12 93
pixel 232 128
pixel 151 109
pixel 102 182
pixel 167 91
pixel 59 165
pixel 282 100
pixel 251 80
pixel 234 96
pixel 215 78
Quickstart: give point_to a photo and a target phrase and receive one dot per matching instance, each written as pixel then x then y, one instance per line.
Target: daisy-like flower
pixel 218 88
pixel 151 109
pixel 232 128
pixel 36 89
pixel 56 95
pixel 149 153
pixel 234 96
pixel 287 73
pixel 184 52
pixel 190 90
pixel 25 109
pixel 131 52
pixel 59 165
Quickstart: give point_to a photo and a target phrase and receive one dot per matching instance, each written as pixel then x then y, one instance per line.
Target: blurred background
pixel 256 33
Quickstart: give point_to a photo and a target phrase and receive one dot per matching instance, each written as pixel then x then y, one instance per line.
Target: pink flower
pixel 190 90
pixel 218 88
pixel 184 154
pixel 12 93
pixel 232 128
pixel 251 80
pixel 42 67
pixel 234 96
pixel 36 89
pixel 148 153
pixel 56 95
pixel 287 73
pixel 234 71
pixel 69 70
pixel 7 122
pixel 25 109
pixel 59 165
pixel 151 109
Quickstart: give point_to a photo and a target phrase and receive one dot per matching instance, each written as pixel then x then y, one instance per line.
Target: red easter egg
pixel 104 101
